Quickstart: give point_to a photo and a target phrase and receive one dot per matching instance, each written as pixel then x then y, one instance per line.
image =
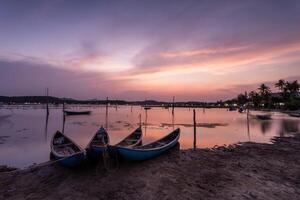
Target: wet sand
pixel 242 171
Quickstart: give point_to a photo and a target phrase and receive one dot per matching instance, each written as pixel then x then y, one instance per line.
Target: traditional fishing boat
pixel 151 150
pixel 69 112
pixel 132 140
pixel 67 152
pixel 263 117
pixel 294 114
pixel 241 110
pixel 98 144
pixel 232 109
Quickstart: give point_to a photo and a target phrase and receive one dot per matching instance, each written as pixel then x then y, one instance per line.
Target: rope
pixel 110 160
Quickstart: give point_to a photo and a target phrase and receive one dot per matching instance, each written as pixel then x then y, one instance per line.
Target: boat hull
pixel 71 161
pixel 77 112
pixel 263 117
pixel 140 154
pixel 294 114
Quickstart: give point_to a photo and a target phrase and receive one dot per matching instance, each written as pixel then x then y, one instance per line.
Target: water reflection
pixel 265 126
pixel 46 128
pixel 288 126
pixel 248 128
pixel 63 124
pixel 26 132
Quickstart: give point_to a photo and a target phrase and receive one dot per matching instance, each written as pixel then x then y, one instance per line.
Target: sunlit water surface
pixel 25 133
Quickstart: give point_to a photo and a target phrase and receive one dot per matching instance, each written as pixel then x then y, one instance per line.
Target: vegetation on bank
pixel 288 96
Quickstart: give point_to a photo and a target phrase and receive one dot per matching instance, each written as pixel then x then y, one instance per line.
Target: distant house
pixel 279 95
pixel 276 95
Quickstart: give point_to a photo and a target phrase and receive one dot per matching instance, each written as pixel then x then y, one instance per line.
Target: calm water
pixel 25 133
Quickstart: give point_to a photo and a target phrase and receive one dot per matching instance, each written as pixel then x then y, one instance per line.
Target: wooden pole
pixel 140 119
pixel 64 121
pixel 106 114
pixel 194 120
pixel 173 105
pixel 47 107
pixel 63 107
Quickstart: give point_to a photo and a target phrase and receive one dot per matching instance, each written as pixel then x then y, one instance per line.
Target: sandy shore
pixel 247 171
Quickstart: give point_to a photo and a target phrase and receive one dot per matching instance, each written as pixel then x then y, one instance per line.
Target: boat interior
pixel 132 138
pixel 64 146
pixel 100 138
pixel 162 142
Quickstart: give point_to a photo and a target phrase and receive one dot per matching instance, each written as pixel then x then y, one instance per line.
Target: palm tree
pixel 255 98
pixel 280 85
pixel 264 90
pixel 292 88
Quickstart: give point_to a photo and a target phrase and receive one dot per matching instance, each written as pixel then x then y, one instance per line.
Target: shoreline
pixel 241 171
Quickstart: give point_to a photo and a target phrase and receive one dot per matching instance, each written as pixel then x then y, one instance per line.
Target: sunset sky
pixel 136 50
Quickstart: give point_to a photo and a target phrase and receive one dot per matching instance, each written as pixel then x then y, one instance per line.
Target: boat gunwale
pixel 156 148
pixel 88 146
pixel 62 155
pixel 134 144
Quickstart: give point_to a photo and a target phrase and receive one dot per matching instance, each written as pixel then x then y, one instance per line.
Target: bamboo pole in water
pixel 194 120
pixel 173 105
pixel 63 107
pixel 106 114
pixel 140 119
pixel 47 106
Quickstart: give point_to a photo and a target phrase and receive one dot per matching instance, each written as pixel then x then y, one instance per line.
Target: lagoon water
pixel 25 132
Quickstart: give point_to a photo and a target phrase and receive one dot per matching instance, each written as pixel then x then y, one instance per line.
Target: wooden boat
pixel 294 114
pixel 68 112
pixel 241 110
pixel 232 109
pixel 98 144
pixel 263 117
pixel 132 140
pixel 147 108
pixel 67 152
pixel 150 150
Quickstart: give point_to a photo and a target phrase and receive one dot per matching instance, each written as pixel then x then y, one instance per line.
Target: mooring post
pixel 63 107
pixel 140 119
pixel 106 114
pixel 173 105
pixel 47 107
pixel 248 126
pixel 106 108
pixel 194 119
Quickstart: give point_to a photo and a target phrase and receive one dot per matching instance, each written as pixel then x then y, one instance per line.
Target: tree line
pixel 287 98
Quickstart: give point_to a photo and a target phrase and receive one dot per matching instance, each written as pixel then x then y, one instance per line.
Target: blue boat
pixel 294 114
pixel 132 140
pixel 65 151
pixel 98 144
pixel 151 150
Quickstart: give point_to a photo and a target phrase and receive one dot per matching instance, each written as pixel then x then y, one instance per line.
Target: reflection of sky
pixel 28 142
pixel 202 50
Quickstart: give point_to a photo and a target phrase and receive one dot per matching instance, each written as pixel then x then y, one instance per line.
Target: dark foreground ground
pixel 247 171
